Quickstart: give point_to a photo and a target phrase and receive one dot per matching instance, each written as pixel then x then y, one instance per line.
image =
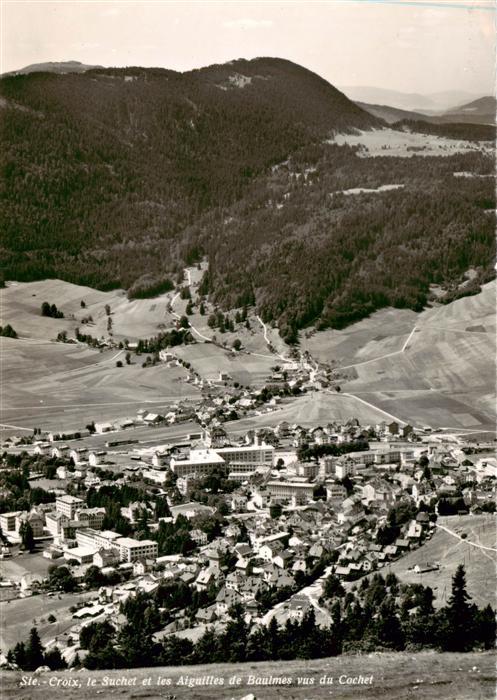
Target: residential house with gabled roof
pixel 225 600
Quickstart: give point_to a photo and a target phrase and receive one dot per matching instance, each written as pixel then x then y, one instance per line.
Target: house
pixel 238 503
pixel 68 505
pixel 105 557
pixel 30 582
pixel 225 600
pixel 297 607
pixel 95 459
pixel 378 490
pixel 103 427
pixel 141 566
pixel 60 452
pixel 78 455
pixel 153 418
pixel 283 559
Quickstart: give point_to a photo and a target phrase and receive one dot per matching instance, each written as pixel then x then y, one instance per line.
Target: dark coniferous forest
pixel 120 177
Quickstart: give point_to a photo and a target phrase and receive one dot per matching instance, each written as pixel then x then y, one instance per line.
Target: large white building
pixel 131 549
pixel 297 491
pixel 200 462
pixel 93 538
pixel 68 505
pixel 246 459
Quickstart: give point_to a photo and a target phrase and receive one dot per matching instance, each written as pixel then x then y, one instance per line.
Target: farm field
pixel 449 552
pixel 434 368
pixel 399 676
pixel 57 386
pixel 209 360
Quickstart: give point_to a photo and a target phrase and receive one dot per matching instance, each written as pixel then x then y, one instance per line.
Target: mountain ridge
pixel 121 177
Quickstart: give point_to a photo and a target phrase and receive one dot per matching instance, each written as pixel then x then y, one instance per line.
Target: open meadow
pixel 209 360
pixel 20 615
pixel 406 144
pixel 400 676
pixel 58 386
pixel 434 368
pixel 138 318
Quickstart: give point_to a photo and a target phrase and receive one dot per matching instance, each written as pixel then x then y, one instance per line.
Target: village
pixel 211 517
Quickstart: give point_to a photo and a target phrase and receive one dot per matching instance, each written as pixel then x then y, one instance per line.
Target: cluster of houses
pixel 284 514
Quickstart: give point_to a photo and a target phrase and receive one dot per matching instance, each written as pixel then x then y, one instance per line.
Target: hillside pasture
pixel 19 615
pixel 434 368
pixel 133 319
pixel 431 407
pixel 450 551
pixel 57 386
pixel 317 408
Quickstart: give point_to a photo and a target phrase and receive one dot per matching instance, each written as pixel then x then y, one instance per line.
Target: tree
pixel 128 358
pixel 7 331
pixel 457 624
pixel 107 309
pixel 27 537
pixel 93 577
pixel 34 651
pixel 237 344
pixel 83 304
pixel 333 586
pixel 119 363
pixel 91 427
pixel 486 627
pixel 275 510
pixel 61 579
pixel 54 660
pixel 184 322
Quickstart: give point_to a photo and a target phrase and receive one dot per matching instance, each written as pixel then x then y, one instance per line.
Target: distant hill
pixel 481 111
pixel 434 103
pixel 59 67
pixel 391 114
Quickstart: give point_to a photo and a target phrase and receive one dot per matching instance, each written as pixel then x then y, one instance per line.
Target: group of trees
pixel 305 453
pixel 16 492
pixel 166 339
pixel 51 310
pixel 31 655
pixel 7 331
pixel 381 614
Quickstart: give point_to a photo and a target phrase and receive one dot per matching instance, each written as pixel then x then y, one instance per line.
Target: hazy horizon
pixel 411 46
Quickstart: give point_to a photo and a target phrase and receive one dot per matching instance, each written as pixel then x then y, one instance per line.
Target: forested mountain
pixel 102 170
pixel 120 177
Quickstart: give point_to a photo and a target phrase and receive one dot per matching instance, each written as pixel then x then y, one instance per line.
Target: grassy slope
pixel 449 552
pixel 395 677
pixel 446 375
